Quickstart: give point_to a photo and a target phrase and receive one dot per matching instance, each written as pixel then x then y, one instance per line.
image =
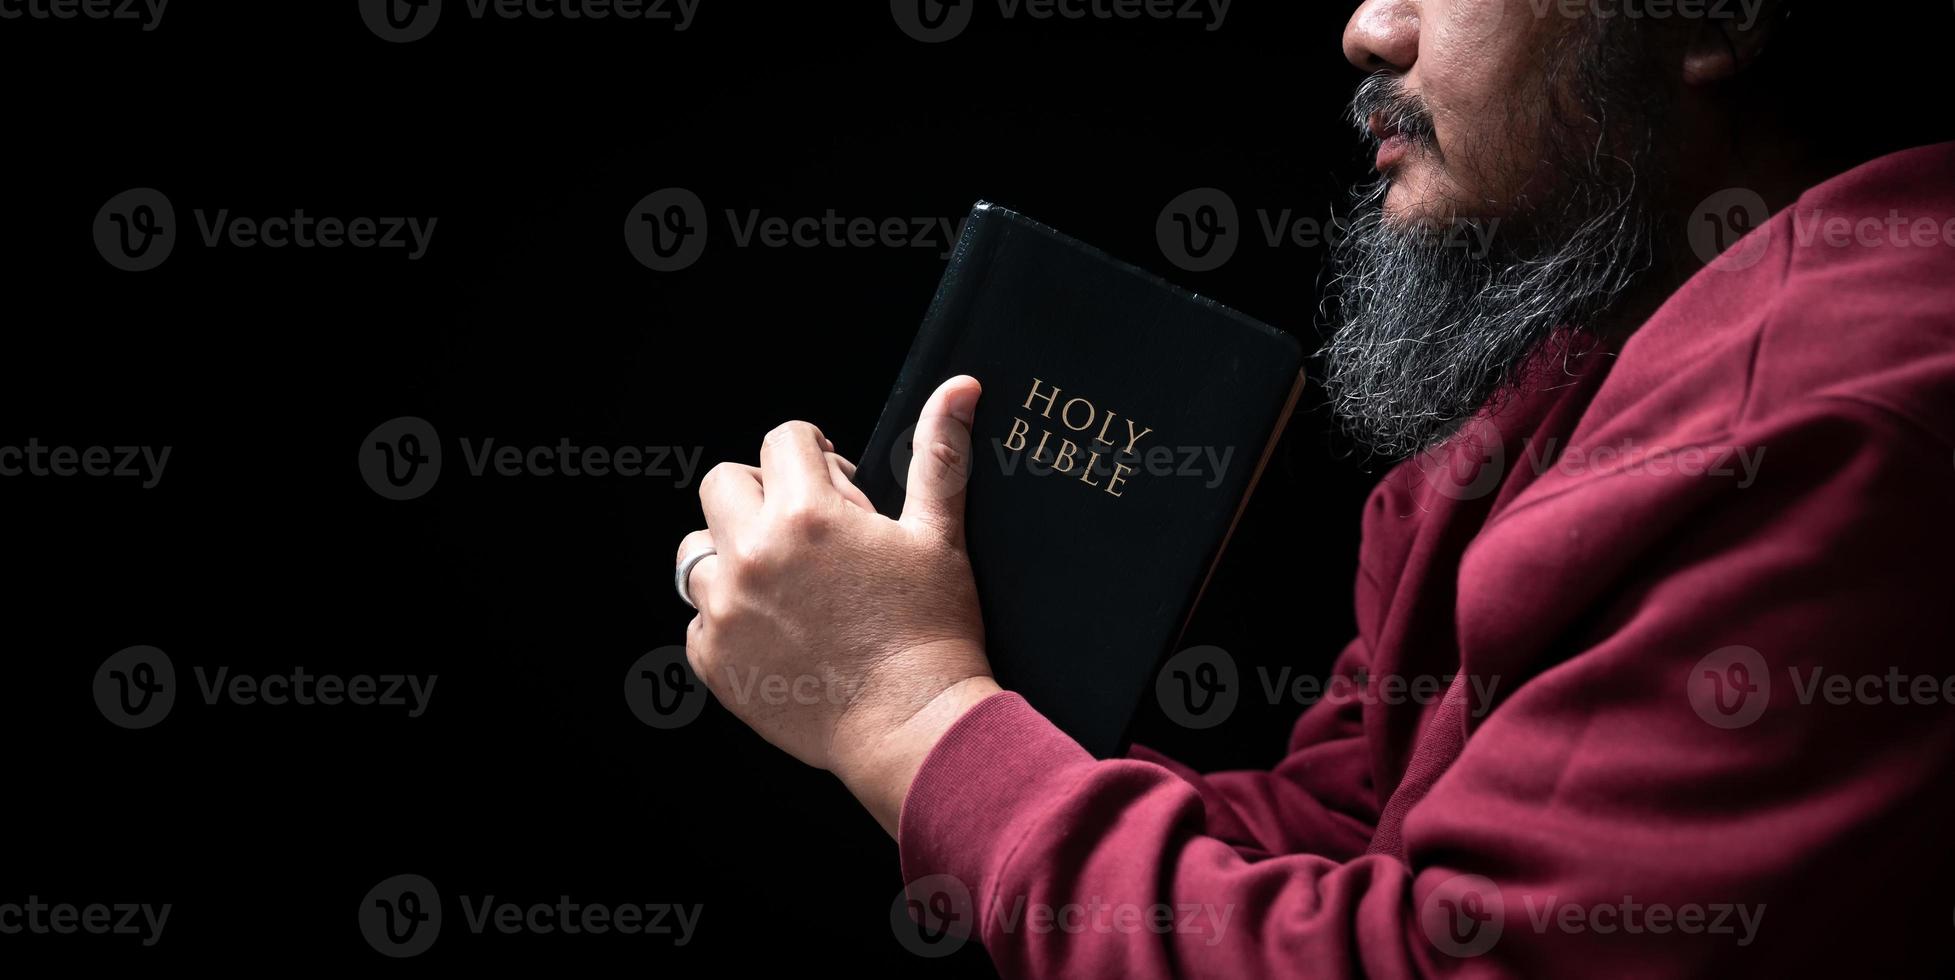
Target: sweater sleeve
pixel 1604 819
pixel 1318 800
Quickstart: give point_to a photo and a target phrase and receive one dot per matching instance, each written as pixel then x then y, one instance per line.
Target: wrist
pixel 880 769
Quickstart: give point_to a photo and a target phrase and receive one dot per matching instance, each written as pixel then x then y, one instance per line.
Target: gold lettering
pixel 1134 437
pixel 1034 396
pixel 1119 476
pixel 1064 461
pixel 1066 415
pixel 1044 434
pixel 1019 427
pixel 1086 475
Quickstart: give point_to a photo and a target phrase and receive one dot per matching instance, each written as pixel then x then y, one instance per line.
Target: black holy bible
pixel 1122 425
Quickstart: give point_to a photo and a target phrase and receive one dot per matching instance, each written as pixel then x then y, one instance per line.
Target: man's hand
pixel 845 638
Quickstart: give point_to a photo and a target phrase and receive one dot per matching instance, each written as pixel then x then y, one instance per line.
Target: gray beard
pixel 1435 324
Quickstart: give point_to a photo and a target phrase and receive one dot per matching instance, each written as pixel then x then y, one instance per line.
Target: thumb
pixel 940 463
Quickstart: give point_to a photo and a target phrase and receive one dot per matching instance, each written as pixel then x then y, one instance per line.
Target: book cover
pixel 1123 424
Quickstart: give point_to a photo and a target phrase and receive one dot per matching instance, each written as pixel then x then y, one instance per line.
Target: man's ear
pixel 1729 38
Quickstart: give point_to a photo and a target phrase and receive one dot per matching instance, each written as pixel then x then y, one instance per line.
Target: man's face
pixel 1520 150
pixel 1477 69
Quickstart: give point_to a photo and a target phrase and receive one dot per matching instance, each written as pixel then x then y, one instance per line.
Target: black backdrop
pixel 262 548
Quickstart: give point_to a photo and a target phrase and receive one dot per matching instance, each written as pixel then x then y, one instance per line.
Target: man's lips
pixel 1393 146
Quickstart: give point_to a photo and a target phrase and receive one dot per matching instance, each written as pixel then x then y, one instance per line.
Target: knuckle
pixel 691 544
pixel 747 561
pixel 801 526
pixel 792 431
pixel 719 474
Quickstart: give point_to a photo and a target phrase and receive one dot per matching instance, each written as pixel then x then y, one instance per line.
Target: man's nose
pixel 1383 34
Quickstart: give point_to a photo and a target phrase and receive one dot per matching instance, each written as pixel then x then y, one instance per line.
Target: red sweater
pixel 1695 596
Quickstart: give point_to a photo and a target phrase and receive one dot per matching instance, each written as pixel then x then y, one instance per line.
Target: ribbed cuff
pixel 981 789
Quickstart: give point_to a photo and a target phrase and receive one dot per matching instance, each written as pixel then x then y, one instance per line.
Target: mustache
pixel 1383 96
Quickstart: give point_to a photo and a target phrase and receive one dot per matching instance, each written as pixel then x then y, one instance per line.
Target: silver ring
pixel 682 576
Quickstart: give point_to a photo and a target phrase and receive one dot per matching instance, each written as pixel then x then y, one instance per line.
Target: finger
pixel 793 466
pixel 696 543
pixel 700 582
pixel 842 474
pixel 940 465
pixel 693 544
pixel 730 495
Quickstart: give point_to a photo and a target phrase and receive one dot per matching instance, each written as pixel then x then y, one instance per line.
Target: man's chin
pixel 1412 202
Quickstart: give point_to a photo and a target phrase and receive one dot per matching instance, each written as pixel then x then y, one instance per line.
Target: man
pixel 1675 515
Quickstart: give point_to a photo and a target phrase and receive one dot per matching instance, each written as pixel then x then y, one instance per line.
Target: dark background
pixel 528 321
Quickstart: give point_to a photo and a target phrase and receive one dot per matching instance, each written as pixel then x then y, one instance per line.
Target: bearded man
pixel 1677 469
